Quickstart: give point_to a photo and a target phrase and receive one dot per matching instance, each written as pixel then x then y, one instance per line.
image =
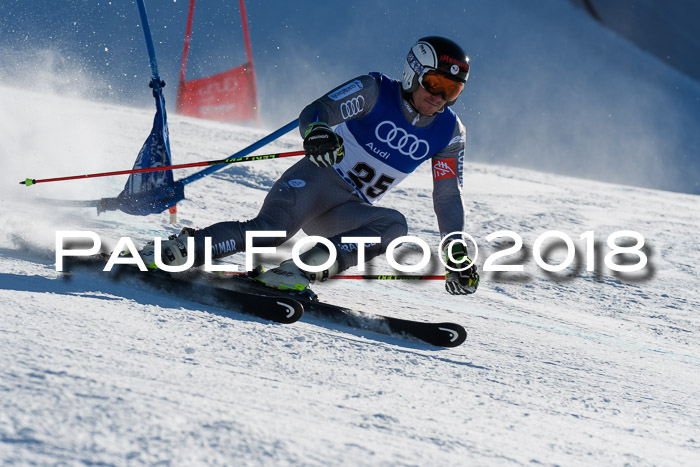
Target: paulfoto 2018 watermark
pixel 126 244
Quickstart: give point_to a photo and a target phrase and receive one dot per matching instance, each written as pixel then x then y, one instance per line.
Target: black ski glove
pixel 459 282
pixel 322 145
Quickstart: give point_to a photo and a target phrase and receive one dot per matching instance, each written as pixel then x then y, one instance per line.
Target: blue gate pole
pixel 149 45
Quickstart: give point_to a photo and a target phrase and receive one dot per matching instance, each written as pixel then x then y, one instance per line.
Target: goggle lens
pixel 437 83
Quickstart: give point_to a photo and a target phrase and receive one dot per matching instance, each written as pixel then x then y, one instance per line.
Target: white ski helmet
pixel 434 53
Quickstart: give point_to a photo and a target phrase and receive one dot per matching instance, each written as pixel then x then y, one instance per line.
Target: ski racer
pixel 361 139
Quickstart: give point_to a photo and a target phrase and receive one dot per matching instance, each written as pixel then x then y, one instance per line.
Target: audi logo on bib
pixel 398 138
pixel 352 107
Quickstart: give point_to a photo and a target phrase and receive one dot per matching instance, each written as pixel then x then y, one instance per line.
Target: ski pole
pixel 391 278
pixel 245 151
pixel 229 160
pixel 378 277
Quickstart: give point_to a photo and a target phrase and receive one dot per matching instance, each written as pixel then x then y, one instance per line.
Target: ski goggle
pixel 438 84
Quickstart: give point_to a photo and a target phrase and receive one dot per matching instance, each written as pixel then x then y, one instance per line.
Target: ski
pixel 195 287
pixel 439 334
pixel 243 293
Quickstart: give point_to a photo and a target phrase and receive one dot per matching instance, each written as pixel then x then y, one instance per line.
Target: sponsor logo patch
pixel 457 139
pixel 352 107
pixel 222 248
pixel 460 64
pixel 444 168
pixel 398 138
pixel 350 88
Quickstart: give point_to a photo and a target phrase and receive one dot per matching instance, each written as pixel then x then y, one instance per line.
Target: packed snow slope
pixel 567 368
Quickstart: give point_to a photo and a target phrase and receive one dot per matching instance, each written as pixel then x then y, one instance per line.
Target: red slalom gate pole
pixel 185 52
pixel 230 160
pixel 249 56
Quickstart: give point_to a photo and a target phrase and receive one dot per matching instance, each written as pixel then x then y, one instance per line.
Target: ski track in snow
pixel 566 368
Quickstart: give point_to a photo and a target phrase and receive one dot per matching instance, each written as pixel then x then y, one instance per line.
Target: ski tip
pixel 291 311
pixel 452 334
pixel 281 310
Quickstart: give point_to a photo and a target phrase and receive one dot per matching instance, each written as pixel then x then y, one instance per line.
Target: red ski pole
pixel 230 160
pixel 391 278
pixel 376 277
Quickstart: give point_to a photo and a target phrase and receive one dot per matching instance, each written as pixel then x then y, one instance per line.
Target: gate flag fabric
pixel 151 192
pixel 229 96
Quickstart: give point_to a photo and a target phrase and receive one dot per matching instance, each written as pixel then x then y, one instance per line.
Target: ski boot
pixel 173 251
pixel 288 276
